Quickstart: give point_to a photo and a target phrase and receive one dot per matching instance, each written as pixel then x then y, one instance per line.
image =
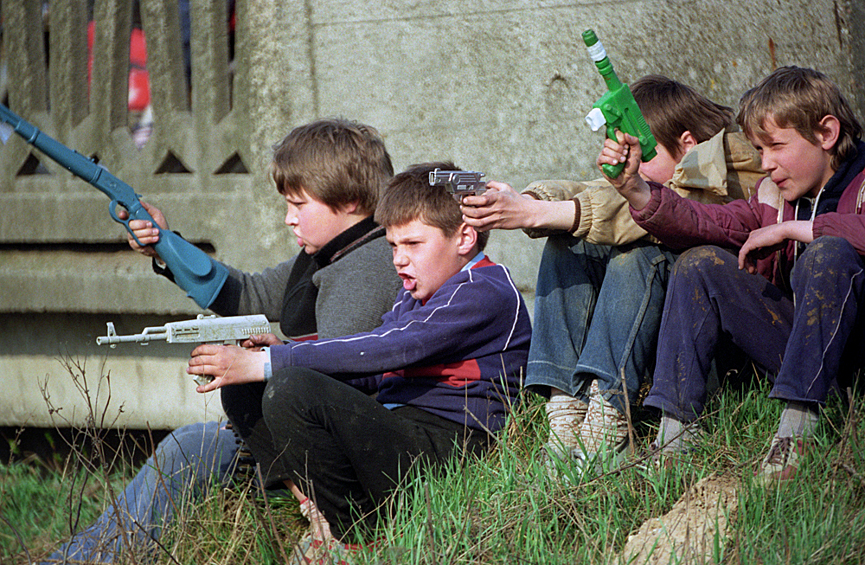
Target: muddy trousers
pixel 802 347
pixel 340 446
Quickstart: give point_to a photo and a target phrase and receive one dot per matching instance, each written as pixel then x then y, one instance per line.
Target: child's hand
pixel 626 149
pixel 227 364
pixel 764 241
pixel 144 230
pixel 256 342
pixel 500 207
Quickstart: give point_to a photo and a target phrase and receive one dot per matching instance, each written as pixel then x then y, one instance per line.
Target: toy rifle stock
pixel 194 271
pixel 617 108
pixel 203 329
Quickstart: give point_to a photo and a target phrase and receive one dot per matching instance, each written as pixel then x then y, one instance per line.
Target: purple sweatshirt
pixel 465 349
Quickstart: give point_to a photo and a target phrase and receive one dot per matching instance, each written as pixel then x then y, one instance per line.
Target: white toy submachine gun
pixel 203 329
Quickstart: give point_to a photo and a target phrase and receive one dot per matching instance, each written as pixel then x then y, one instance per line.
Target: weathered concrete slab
pixel 500 87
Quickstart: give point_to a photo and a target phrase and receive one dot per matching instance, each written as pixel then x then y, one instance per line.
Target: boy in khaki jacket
pixel 602 279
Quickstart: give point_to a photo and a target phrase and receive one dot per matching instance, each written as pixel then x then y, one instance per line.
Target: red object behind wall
pixel 139 80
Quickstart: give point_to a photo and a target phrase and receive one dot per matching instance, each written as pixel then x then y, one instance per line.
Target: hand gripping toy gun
pixel 203 329
pixel 194 271
pixel 617 108
pixel 459 183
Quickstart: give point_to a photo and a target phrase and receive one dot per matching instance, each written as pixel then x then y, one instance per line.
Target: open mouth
pixel 408 282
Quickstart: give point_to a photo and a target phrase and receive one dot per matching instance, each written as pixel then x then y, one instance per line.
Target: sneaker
pixel 782 461
pixel 603 436
pixel 318 524
pixel 312 551
pixel 683 441
pixel 565 415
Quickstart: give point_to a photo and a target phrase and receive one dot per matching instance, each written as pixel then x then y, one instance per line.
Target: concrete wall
pixel 500 87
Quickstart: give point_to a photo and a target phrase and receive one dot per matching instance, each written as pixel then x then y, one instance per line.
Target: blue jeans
pixel 184 464
pixel 804 347
pixel 597 314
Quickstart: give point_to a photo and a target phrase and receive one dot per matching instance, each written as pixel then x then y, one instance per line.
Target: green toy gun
pixel 617 108
pixel 194 271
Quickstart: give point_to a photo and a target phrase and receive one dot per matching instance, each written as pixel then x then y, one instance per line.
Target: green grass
pixel 504 508
pixel 39 505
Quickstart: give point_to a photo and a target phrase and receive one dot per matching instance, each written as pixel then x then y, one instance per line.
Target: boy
pixel 331 174
pixel 602 281
pixel 802 231
pixel 446 361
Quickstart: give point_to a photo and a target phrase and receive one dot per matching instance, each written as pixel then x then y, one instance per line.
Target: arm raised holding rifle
pixel 193 270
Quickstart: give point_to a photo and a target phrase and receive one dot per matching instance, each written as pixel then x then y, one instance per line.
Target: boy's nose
pixel 399 258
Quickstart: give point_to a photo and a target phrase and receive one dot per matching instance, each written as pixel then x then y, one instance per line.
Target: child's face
pixel 798 166
pixel 313 222
pixel 661 167
pixel 424 257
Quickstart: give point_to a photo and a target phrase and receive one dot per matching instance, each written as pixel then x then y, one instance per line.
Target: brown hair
pixel 336 161
pixel 409 196
pixel 672 108
pixel 798 98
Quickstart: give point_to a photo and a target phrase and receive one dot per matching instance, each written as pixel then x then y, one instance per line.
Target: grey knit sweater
pixel 353 277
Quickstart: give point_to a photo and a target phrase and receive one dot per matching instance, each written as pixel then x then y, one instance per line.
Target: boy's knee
pixel 826 250
pixel 183 444
pixel 289 389
pixel 702 259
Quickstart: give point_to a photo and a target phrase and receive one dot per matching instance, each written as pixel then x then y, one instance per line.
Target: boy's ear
pixel 828 132
pixel 468 237
pixel 687 141
pixel 349 208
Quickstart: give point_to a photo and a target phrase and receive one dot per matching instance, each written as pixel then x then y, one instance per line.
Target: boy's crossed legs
pixel 343 448
pixel 803 346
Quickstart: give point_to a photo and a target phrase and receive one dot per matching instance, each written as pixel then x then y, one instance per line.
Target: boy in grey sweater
pixel 330 173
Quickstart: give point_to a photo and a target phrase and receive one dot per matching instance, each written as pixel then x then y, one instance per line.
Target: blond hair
pixel 799 98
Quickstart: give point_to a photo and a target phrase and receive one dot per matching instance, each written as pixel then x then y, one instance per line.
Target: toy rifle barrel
pixel 149 334
pixel 73 161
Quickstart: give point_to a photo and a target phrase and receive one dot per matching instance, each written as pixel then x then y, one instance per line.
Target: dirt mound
pixel 687 533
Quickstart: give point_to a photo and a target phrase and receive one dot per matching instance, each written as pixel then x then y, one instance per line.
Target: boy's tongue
pixel 409 284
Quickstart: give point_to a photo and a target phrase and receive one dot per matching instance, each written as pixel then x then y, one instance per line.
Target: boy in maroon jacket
pixel 803 231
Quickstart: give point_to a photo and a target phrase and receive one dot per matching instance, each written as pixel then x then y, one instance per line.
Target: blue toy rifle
pixel 194 271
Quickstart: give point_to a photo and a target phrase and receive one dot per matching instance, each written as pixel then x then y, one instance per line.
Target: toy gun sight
pixel 459 183
pixel 617 108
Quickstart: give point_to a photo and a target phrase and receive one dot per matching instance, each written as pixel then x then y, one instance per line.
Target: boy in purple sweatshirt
pixel 789 293
pixel 446 364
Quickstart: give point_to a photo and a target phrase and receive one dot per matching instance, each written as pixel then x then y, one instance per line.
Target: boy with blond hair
pixel 446 363
pixel 790 299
